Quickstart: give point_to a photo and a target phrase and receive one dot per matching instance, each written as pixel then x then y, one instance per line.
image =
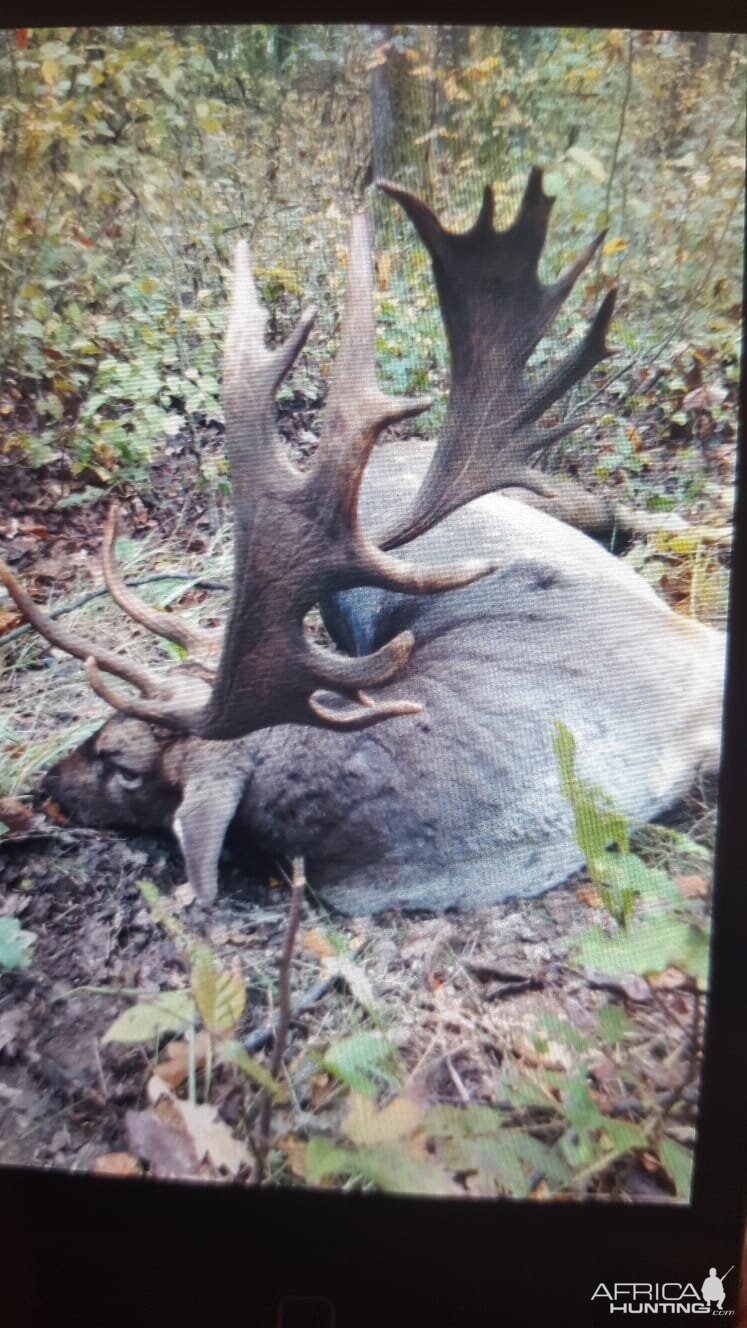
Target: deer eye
pixel 129 779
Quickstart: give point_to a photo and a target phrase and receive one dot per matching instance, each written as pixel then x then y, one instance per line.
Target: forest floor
pixel 476 1008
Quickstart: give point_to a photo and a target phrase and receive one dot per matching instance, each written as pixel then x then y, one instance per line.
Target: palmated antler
pixel 496 311
pixel 297 535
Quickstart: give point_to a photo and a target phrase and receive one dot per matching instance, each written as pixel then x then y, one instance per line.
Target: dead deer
pixel 455 800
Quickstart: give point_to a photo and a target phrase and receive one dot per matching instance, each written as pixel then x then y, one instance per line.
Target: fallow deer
pixel 455 799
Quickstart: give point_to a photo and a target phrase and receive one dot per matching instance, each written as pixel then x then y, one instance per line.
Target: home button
pixel 305 1312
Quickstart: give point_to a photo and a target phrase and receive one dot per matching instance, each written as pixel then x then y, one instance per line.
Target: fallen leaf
pixel 670 980
pixel 365 1124
pixel 168 1150
pixel 117 1164
pixel 693 886
pixel 586 894
pixel 295 1150
pixel 341 966
pixel 212 1139
pixel 704 398
pixel 317 944
pixel 9 619
pixel 173 1067
pixel 157 1088
pixel 15 815
pixel 602 1068
pixel 384 270
pixel 183 896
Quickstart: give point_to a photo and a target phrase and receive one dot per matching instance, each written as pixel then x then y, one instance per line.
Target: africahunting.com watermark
pixel 667 1297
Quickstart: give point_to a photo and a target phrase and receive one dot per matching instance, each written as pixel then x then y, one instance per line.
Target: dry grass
pixel 48 706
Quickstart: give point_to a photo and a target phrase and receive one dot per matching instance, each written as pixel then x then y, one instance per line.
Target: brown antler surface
pixel 297 535
pixel 76 645
pixel 496 311
pixel 200 643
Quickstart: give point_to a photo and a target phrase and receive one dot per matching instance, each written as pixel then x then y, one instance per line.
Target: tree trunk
pixel 399 115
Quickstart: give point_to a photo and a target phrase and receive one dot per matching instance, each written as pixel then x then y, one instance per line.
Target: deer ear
pixel 200 825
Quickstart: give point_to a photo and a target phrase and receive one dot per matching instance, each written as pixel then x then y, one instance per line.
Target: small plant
pixel 659 929
pixel 214 999
pixel 16 945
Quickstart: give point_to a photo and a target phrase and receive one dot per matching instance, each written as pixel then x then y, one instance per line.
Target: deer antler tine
pixel 362 716
pixel 423 219
pixel 73 644
pixel 487 212
pixel 252 372
pixel 163 708
pixel 350 673
pixel 196 640
pixel 391 574
pixel 564 285
pixel 357 411
pixel 533 217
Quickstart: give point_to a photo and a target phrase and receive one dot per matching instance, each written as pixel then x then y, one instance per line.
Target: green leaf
pixel 648 946
pixel 171 424
pixel 613 1024
pixel 589 163
pixel 32 328
pixel 15 945
pixel 233 1053
pixel 220 996
pixel 509 1161
pixel 170 1012
pixel 560 1031
pixel 598 822
pixel 323 1159
pixel 461 1121
pixel 678 1164
pixel 363 1061
pixel 393 1169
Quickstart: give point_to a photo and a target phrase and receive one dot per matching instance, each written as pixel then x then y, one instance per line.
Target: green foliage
pixel 15 945
pixel 406 1148
pixel 598 825
pixel 363 1061
pixel 215 999
pixel 149 1020
pixel 130 158
pixel 663 933
pixel 550 1135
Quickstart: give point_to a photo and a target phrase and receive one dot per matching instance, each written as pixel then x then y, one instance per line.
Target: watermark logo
pixel 667 1297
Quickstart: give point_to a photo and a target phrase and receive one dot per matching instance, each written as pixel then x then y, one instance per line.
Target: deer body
pixel 460 805
pixel 456 798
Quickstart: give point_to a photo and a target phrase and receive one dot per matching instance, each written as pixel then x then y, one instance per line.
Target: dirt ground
pixel 459 997
pixel 471 1003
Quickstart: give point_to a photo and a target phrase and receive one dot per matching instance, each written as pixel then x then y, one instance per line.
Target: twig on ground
pixel 261 1142
pixel 58 609
pixel 261 1036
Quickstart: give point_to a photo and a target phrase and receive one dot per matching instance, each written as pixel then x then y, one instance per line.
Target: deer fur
pixel 460 805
